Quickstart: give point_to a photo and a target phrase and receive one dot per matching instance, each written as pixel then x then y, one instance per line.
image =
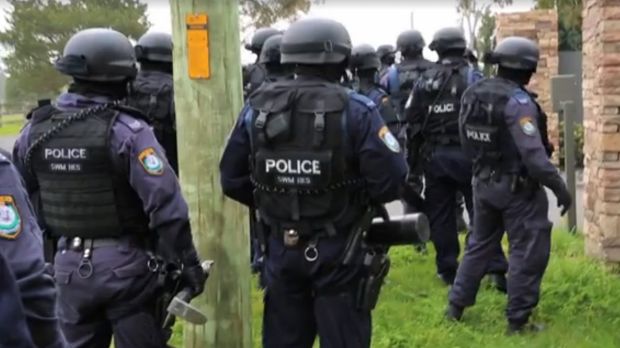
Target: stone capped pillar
pixel 601 95
pixel 542 27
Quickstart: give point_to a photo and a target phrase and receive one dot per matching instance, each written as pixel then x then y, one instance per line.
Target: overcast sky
pixel 374 22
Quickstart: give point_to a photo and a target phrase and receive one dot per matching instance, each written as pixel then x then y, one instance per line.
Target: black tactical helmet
pixel 448 39
pixel 385 50
pixel 316 41
pixel 258 39
pixel 271 50
pixel 515 52
pixel 154 47
pixel 364 57
pixel 410 40
pixel 98 54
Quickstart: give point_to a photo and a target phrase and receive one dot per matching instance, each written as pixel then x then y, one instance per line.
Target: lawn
pixel 11 124
pixel 580 306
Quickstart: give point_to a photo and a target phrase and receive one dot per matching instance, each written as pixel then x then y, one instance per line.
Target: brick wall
pixel 542 27
pixel 601 95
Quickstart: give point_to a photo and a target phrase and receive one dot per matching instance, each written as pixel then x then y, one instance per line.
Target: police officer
pixel 319 156
pixel 364 66
pixel 504 129
pixel 254 74
pixel 270 59
pixel 108 193
pixel 402 76
pixel 433 110
pixel 152 90
pixel 387 57
pixel 21 246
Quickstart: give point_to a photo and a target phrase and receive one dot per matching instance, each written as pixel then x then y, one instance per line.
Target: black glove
pixel 564 199
pixel 193 277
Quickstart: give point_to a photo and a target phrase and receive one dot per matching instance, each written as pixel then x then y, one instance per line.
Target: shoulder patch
pixel 521 97
pixel 389 140
pixel 527 125
pixel 10 219
pixel 362 99
pixel 151 162
pixel 132 123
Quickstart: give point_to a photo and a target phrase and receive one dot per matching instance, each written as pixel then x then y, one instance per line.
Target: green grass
pixel 580 306
pixel 11 124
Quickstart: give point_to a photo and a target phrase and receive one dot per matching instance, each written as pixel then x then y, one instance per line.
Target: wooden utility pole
pixel 208 97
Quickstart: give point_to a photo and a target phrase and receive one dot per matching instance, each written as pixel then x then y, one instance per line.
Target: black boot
pixel 454 312
pixel 524 328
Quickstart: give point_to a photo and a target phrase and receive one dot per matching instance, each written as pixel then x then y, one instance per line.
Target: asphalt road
pixel 395 208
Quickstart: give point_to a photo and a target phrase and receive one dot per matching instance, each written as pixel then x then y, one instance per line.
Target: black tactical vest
pixel 81 194
pixel 152 93
pixel 408 74
pixel 303 179
pixel 483 131
pixel 442 88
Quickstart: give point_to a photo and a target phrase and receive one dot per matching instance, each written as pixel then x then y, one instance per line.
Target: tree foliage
pixel 267 12
pixel 485 40
pixel 472 12
pixel 38 30
pixel 569 21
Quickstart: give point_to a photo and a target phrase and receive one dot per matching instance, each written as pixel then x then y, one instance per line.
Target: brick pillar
pixel 601 94
pixel 542 27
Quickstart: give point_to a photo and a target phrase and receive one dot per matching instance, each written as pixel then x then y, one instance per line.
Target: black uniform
pixel 108 194
pixel 504 130
pixel 433 111
pixel 152 91
pixel 254 74
pixel 319 155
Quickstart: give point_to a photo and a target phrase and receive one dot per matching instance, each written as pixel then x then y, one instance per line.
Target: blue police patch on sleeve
pixel 10 220
pixel 389 140
pixel 151 162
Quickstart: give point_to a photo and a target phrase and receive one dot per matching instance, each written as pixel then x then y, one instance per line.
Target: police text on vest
pixel 66 153
pixel 484 137
pixel 282 166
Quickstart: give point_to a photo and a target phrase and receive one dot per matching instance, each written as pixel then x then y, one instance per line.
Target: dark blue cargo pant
pixel 116 299
pixel 446 173
pixel 303 299
pixel 524 216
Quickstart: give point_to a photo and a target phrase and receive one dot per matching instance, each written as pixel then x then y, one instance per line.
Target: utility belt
pixel 518 182
pixel 87 246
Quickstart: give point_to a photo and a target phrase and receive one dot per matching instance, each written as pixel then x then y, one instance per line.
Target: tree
pixel 485 40
pixel 569 22
pixel 267 12
pixel 38 30
pixel 472 12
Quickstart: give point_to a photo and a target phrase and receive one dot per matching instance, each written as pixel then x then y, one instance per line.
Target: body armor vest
pixel 442 88
pixel 408 74
pixel 81 194
pixel 483 131
pixel 302 176
pixel 152 93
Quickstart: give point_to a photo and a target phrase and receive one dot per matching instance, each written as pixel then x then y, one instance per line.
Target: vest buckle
pixel 291 238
